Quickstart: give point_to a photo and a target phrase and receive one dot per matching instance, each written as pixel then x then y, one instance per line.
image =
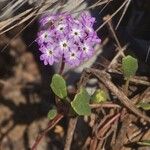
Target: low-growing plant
pixel 129 68
pixel 70 41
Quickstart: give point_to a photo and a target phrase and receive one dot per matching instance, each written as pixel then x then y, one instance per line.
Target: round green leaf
pixel 144 143
pixel 52 113
pixel 144 106
pixel 80 104
pixel 58 86
pixel 99 96
pixel 129 66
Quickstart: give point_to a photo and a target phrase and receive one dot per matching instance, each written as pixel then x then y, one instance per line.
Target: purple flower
pixel 89 31
pixel 45 36
pixel 61 29
pixel 77 33
pixel 49 18
pixel 64 45
pixel 86 49
pixel 73 21
pixel 62 35
pixel 49 54
pixel 72 57
pixel 87 20
pixel 94 38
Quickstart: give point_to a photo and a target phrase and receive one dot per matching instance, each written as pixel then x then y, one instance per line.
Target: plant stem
pixel 62 67
pixel 104 129
pixel 51 124
pixel 127 86
pixel 70 133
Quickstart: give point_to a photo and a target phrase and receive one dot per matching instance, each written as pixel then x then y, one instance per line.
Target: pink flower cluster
pixel 63 36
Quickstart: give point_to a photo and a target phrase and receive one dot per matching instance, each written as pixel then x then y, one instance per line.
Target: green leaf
pixel 52 113
pixel 58 86
pixel 143 105
pixel 129 66
pixel 99 96
pixel 144 143
pixel 80 104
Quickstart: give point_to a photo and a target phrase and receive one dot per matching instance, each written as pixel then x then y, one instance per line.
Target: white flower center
pixel 85 48
pixel 44 35
pixel 72 55
pixel 76 32
pixel 64 44
pixel 49 52
pixel 61 27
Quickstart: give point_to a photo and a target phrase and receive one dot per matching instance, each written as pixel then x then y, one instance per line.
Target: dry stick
pixel 20 32
pixel 125 9
pixel 70 133
pixel 145 94
pixel 104 105
pixel 106 131
pixel 6 23
pixel 93 144
pixel 126 87
pixel 73 121
pixel 122 133
pixel 12 8
pixel 116 56
pixel 107 134
pixel 134 135
pixel 113 32
pixel 103 121
pixel 90 7
pixel 121 50
pixel 51 124
pixel 112 15
pixel 103 77
pixel 94 141
pixel 103 130
pixel 104 7
pixel 87 142
pixel 115 127
pixel 3 82
pixel 139 81
pixel 6 6
pixel 21 22
pixel 38 9
pixel 148 53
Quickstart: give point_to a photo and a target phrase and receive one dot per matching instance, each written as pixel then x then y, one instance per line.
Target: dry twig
pixel 103 77
pixel 70 133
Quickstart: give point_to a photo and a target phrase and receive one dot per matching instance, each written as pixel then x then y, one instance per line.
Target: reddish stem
pixel 102 131
pixel 51 124
pixel 62 66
